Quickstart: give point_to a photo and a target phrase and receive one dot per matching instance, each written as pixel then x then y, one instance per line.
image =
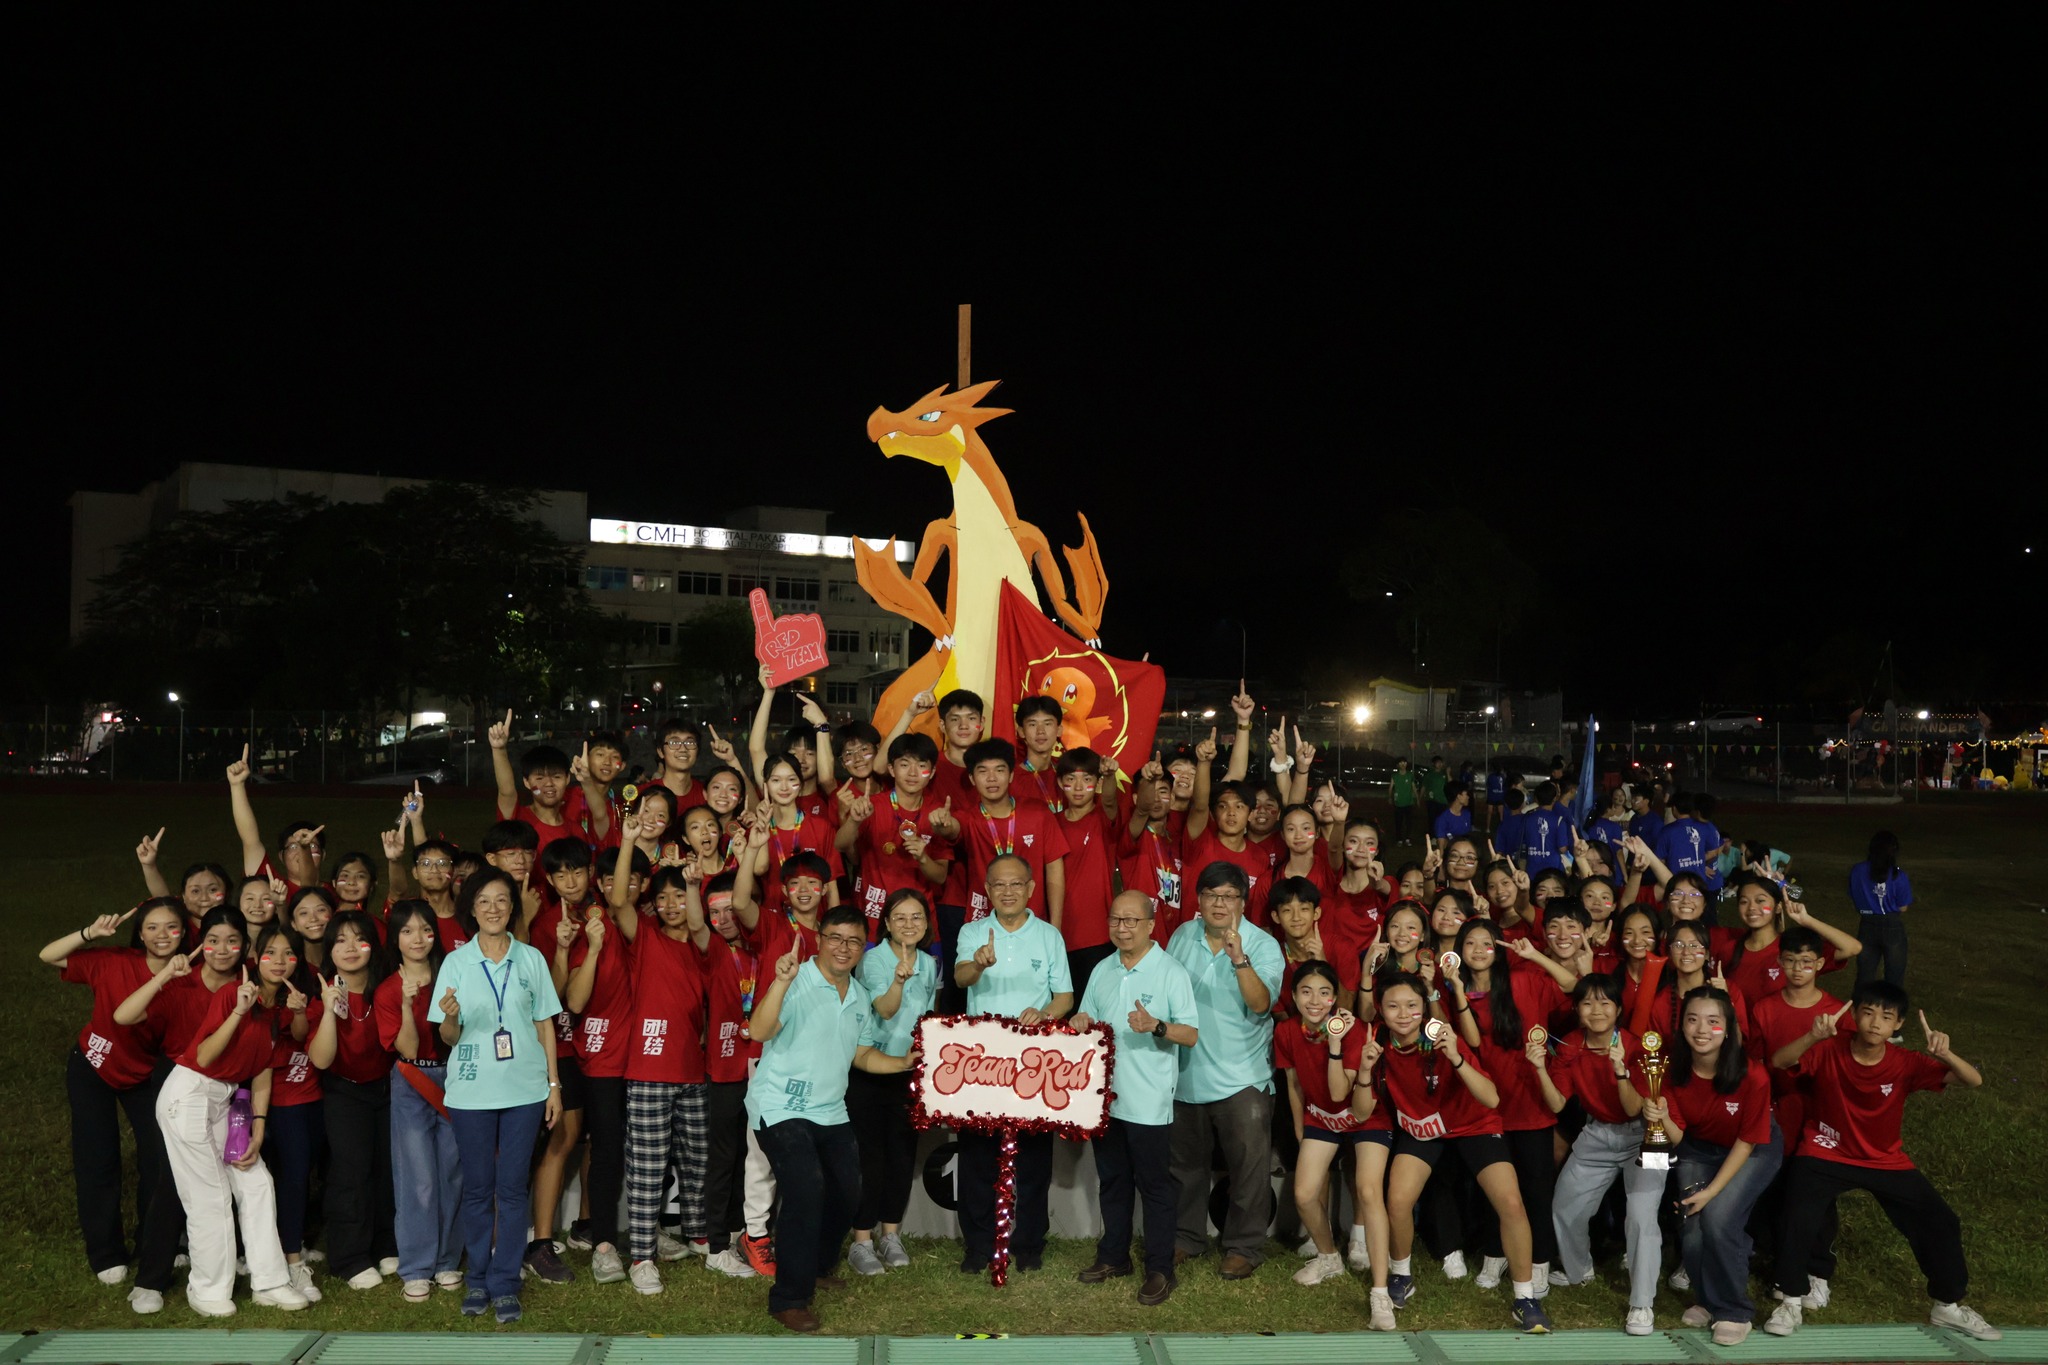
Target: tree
pixel 716 650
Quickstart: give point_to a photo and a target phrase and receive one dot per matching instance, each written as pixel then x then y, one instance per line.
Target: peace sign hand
pixel 104 926
pixel 500 734
pixel 145 852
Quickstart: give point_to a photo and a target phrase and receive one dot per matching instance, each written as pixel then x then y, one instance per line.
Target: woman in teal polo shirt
pixel 496 1006
pixel 902 979
pixel 814 1023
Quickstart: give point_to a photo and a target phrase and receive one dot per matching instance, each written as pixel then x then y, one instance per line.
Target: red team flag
pixel 1109 705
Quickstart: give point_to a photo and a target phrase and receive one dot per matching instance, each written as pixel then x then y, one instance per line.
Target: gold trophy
pixel 1657 1144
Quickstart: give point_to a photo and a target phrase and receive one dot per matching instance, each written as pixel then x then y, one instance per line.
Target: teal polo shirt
pixel 1031 966
pixel 1236 1048
pixel 476 1078
pixel 1147 1068
pixel 802 1072
pixel 878 974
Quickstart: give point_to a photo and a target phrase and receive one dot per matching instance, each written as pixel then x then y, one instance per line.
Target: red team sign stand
pixel 984 1073
pixel 792 646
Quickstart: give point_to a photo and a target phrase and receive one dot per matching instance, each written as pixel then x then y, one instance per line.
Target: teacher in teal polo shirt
pixel 1147 998
pixel 1225 1095
pixel 815 1022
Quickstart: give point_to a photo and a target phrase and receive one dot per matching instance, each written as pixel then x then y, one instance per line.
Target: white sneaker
pixel 1324 1266
pixel 1786 1318
pixel 1539 1274
pixel 1968 1321
pixel 211 1308
pixel 1680 1280
pixel 1307 1250
pixel 730 1262
pixel 389 1265
pixel 1383 1312
pixel 1491 1268
pixel 418 1291
pixel 1696 1316
pixel 606 1267
pixel 1564 1281
pixel 113 1274
pixel 1640 1322
pixel 645 1277
pixel 241 1268
pixel 448 1279
pixel 314 1255
pixel 1454 1266
pixel 302 1280
pixel 284 1296
pixel 181 1261
pixel 367 1278
pixel 1356 1256
pixel 145 1300
pixel 1816 1293
pixel 669 1248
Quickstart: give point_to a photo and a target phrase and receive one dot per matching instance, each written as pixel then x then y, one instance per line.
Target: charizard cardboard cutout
pixel 988 544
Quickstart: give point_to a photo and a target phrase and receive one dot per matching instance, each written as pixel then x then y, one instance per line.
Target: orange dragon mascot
pixel 989 546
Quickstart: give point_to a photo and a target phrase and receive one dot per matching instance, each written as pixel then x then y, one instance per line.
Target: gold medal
pixel 629 793
pixel 889 849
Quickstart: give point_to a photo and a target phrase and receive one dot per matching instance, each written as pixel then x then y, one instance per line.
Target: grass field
pixel 1979 866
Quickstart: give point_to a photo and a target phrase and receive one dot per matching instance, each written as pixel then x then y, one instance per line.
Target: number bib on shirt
pixel 1429 1127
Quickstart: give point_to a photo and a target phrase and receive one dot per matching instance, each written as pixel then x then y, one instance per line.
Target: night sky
pixel 1745 367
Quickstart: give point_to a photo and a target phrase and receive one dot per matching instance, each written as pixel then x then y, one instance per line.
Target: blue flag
pixel 1582 802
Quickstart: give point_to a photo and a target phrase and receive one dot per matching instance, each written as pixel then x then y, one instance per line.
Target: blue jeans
pixel 818 1170
pixel 1714 1243
pixel 426 1179
pixel 497 1154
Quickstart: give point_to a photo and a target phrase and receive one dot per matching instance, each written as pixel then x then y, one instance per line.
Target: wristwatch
pixel 1159 1028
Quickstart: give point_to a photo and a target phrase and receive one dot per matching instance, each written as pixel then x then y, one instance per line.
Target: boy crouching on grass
pixel 1856 1087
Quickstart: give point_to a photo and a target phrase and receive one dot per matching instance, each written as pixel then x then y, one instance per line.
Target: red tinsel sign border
pixel 921 1117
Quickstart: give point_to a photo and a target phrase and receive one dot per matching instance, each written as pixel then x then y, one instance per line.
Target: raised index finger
pixel 131 915
pixel 1923 1015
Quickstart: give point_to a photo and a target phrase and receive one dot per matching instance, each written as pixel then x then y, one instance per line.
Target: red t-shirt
pixel 293 1077
pixel 124 1055
pixel 577 811
pixel 1758 973
pixel 248 1052
pixel 1428 1097
pixel 1319 875
pixel 1350 921
pixel 448 929
pixel 667 1042
pixel 1091 855
pixel 179 1009
pixel 950 779
pixel 607 1016
pixel 1198 851
pixel 731 971
pixel 1589 1076
pixel 1853 1111
pixel 548 833
pixel 772 936
pixel 1521 1095
pixel 390 999
pixel 1038 787
pixel 544 926
pixel 1309 1059
pixel 359 1054
pixel 1150 862
pixel 1774 1023
pixel 814 834
pixel 1032 832
pixel 1707 1115
pixel 886 866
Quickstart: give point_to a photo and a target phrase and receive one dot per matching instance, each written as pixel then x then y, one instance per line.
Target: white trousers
pixel 192 1111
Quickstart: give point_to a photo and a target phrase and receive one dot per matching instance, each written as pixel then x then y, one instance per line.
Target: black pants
pixel 163 1222
pixel 96 1158
pixel 1404 817
pixel 359 1191
pixel 1907 1197
pixel 1536 1171
pixel 977 1194
pixel 1441 1220
pixel 293 1138
pixel 1884 948
pixel 1081 965
pixel 1134 1161
pixel 604 1123
pixel 817 1170
pixel 880 1109
pixel 725 1110
pixel 951 999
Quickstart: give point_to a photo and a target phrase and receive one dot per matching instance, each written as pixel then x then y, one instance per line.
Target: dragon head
pixel 937 428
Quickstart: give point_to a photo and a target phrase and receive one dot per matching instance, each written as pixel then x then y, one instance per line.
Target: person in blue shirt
pixel 902 979
pixel 1689 843
pixel 1613 822
pixel 1647 822
pixel 1012 964
pixel 1545 832
pixel 1881 893
pixel 815 1023
pixel 1456 816
pixel 1146 997
pixel 1508 835
pixel 1225 1093
pixel 1496 792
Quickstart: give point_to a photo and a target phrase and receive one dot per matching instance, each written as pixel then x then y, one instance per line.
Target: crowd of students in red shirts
pixel 1474 1033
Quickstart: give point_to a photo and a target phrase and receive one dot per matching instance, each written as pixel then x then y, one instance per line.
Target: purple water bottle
pixel 241 1118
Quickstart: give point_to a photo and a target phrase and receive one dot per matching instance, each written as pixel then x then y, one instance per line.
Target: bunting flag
pixel 1107 704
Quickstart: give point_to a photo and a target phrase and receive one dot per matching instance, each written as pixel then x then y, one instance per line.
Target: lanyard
pixel 498 991
pixel 1003 849
pixel 746 967
pixel 1052 799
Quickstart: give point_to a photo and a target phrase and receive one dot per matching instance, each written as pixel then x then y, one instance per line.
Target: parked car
pixel 1744 723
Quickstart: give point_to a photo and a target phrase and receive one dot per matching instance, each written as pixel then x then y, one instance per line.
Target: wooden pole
pixel 966 356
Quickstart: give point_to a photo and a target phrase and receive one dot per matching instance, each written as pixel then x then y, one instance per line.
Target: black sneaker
pixel 579 1235
pixel 543 1263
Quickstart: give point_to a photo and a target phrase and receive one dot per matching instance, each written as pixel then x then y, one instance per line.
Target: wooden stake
pixel 966 346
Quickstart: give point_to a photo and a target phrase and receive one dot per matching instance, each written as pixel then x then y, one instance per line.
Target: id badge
pixel 502 1040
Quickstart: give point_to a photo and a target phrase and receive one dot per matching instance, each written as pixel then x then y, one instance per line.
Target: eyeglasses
pixel 679 743
pixel 1686 896
pixel 843 940
pixel 1008 886
pixel 1463 858
pixel 1115 920
pixel 1224 895
pixel 433 862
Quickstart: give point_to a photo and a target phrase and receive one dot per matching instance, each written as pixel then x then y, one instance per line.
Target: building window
pixel 839 590
pixel 701 584
pixel 606 577
pixel 739 585
pixel 841 693
pixel 842 641
pixel 881 642
pixel 652 582
pixel 664 634
pixel 796 589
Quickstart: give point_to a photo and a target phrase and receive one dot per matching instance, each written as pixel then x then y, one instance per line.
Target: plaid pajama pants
pixel 664 1122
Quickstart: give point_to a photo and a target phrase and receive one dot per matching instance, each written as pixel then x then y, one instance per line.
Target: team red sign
pixel 791 646
pixel 987 1073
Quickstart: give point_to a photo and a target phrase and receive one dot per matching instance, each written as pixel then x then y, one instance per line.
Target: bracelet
pixel 1458 1064
pixel 1240 966
pixel 255 1117
pixel 1463 1008
pixel 554 1085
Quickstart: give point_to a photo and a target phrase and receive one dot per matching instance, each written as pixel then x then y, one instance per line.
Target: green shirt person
pixel 1401 791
